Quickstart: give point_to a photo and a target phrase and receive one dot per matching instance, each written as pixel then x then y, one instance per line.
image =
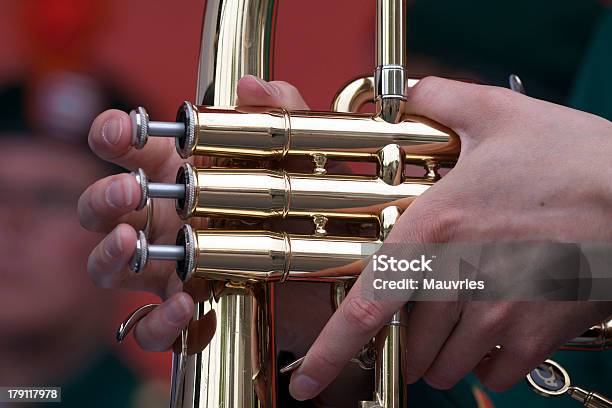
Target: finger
pixel 425 336
pixel 355 322
pixel 253 91
pixel 519 354
pixel 507 367
pixel 460 106
pixel 108 264
pixel 470 341
pixel 110 137
pixel 104 202
pixel 160 328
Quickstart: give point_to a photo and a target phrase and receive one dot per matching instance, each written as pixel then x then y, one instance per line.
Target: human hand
pixel 108 206
pixel 528 170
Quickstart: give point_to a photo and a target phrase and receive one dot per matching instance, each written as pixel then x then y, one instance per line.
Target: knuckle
pixel 426 88
pixel 493 321
pixel 150 336
pixel 324 362
pixel 439 226
pixel 495 100
pixel 363 314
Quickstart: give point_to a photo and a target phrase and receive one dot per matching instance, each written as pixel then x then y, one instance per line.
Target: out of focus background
pixel 62 62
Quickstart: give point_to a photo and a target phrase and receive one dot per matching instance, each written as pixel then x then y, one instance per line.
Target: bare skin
pixel 536 150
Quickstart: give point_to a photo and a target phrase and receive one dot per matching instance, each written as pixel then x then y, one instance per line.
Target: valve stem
pixel 183 191
pixel 183 129
pixel 183 253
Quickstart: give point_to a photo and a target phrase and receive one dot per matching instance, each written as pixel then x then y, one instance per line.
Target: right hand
pixel 109 205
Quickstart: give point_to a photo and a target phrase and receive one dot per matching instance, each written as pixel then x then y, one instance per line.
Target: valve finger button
pixel 141 254
pixel 140 127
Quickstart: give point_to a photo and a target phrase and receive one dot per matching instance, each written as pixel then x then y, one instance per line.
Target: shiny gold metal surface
pixel 276 193
pixel 249 257
pixel 390 387
pixel 238 368
pixel 357 93
pixel 277 133
pixel 391 32
pixel 390 80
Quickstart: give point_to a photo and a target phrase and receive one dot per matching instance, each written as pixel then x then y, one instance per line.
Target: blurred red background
pixel 149 53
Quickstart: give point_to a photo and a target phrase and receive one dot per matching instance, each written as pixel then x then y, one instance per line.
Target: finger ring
pixel 149 207
pixel 132 319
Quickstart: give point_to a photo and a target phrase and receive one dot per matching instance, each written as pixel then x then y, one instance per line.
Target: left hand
pixel 528 170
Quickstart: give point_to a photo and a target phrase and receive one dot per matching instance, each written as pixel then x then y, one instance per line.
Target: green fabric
pixel 593 89
pixel 590 370
pixel 422 395
pixel 106 383
pixel 542 41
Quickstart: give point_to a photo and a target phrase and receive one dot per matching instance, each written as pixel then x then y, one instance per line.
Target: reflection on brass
pixel 235 41
pixel 275 133
pixel 357 93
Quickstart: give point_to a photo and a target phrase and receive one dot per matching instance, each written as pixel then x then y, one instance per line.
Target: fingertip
pixel 185 307
pixel 158 330
pixel 107 262
pixel 110 133
pixel 254 91
pixel 127 235
pixel 302 387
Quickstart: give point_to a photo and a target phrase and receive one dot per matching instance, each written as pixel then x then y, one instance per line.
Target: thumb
pixel 253 91
pixel 461 106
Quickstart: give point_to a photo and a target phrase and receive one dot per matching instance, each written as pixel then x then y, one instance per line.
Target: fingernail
pixel 111 131
pixel 176 312
pixel 119 193
pixel 112 245
pixel 268 88
pixel 302 387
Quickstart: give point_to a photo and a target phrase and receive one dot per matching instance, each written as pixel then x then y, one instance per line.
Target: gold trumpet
pixel 274 221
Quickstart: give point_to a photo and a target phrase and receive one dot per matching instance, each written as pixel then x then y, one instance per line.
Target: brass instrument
pixel 252 199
